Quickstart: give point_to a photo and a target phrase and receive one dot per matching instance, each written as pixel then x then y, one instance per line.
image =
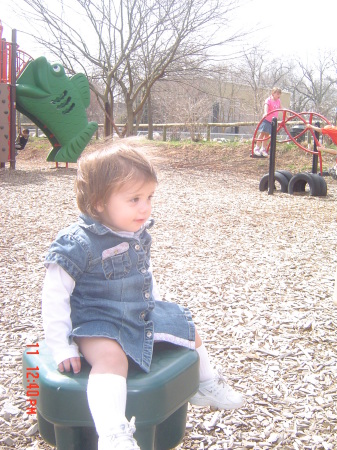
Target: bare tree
pixel 314 86
pixel 260 71
pixel 127 45
pixel 183 102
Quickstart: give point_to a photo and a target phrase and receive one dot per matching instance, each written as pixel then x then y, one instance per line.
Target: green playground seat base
pixel 158 399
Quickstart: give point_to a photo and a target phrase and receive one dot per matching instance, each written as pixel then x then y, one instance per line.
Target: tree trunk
pixel 129 119
pixel 107 122
pixel 150 118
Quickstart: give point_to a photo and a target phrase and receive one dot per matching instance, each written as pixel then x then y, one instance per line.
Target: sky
pixel 285 28
pixel 291 27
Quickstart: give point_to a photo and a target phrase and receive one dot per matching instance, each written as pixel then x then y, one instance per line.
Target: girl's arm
pixel 314 128
pixel 57 288
pixel 265 109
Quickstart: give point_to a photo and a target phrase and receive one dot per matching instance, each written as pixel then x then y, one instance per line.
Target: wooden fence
pixel 165 127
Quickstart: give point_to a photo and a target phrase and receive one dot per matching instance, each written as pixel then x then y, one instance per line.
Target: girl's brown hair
pixel 103 172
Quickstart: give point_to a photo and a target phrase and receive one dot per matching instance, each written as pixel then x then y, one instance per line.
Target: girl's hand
pixel 70 363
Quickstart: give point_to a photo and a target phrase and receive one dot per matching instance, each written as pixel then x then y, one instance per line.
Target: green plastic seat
pixel 158 399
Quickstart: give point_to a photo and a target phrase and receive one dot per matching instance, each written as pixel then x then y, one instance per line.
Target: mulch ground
pixel 256 270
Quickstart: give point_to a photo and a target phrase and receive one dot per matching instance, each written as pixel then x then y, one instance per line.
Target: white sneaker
pixel 120 439
pixel 264 152
pixel 257 151
pixel 217 394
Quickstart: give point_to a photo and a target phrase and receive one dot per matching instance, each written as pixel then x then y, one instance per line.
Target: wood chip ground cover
pixel 257 272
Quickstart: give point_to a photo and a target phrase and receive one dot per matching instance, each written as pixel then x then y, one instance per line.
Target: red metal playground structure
pixel 289 118
pixel 9 72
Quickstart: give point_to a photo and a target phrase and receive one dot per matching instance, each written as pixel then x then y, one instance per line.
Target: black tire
pixel 279 178
pixel 286 173
pixel 299 182
pixel 322 184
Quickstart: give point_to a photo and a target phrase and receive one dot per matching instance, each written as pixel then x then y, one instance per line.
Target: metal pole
pixel 315 157
pixel 2 56
pixel 272 152
pixel 12 101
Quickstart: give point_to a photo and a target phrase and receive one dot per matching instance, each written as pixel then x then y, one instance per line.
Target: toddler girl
pixel 100 298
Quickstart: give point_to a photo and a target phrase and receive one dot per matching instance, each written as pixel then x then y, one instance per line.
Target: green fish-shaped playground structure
pixel 57 105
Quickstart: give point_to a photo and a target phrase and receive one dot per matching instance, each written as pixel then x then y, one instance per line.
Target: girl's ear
pixel 100 207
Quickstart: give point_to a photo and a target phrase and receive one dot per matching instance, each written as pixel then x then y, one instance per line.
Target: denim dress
pixel 113 290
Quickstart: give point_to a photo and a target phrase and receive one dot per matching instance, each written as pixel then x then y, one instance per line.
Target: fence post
pixel 164 133
pixel 208 136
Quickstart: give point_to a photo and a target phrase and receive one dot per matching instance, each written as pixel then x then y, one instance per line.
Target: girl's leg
pixel 257 146
pixel 107 392
pixel 260 147
pixel 104 355
pixel 206 371
pixel 264 144
pixel 213 390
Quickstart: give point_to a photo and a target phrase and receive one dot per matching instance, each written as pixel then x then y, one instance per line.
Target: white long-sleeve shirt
pixel 56 292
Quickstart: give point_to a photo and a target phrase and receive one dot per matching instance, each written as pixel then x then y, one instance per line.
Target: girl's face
pixel 129 208
pixel 276 95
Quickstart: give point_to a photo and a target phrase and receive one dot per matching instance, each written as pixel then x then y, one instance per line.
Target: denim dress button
pixel 149 334
pixel 147 295
pixel 143 270
pixel 137 247
pixel 142 315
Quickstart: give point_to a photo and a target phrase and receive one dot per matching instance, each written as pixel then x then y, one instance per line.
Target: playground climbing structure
pixel 53 101
pixel 8 74
pixel 301 183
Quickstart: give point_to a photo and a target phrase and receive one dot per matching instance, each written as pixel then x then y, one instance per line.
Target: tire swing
pixel 316 184
pixel 281 179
